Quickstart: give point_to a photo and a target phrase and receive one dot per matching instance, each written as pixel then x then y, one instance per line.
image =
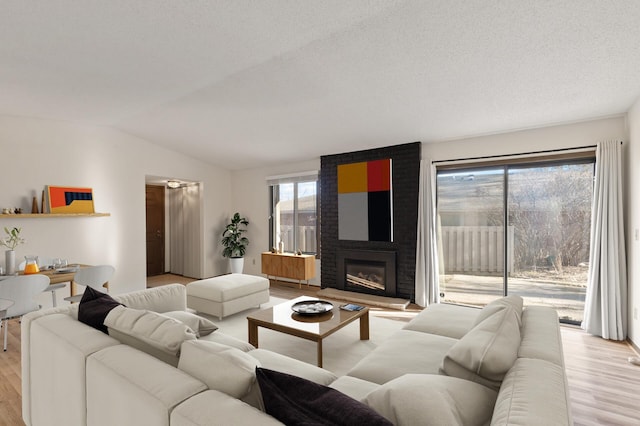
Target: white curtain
pixel 185 228
pixel 427 249
pixel 605 311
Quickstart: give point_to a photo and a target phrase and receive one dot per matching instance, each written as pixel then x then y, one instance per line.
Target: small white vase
pixel 10 262
pixel 236 264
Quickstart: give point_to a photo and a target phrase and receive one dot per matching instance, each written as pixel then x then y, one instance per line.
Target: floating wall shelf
pixel 44 215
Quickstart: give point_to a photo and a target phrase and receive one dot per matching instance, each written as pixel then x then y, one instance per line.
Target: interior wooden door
pixel 155 229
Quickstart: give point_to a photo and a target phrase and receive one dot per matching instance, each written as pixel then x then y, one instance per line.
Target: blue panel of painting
pixel 70 197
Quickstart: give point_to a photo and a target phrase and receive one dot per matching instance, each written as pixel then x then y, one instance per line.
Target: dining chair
pixel 22 290
pixel 92 276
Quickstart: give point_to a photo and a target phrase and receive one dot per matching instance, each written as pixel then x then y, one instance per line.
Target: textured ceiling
pixel 243 84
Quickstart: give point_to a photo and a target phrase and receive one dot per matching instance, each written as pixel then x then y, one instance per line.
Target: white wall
pixel 40 152
pixel 544 138
pixel 633 221
pixel 251 199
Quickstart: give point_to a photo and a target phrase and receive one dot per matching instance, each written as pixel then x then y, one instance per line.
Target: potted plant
pixel 235 245
pixel 11 241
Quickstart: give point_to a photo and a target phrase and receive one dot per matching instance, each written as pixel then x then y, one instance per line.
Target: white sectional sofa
pixel 495 366
pixel 429 372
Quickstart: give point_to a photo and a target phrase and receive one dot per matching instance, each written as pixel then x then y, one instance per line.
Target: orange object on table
pixel 31 268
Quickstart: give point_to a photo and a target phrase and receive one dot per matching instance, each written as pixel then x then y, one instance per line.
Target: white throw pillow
pixel 220 367
pixel 158 331
pixel 202 326
pixel 511 301
pixel 431 399
pixel 487 351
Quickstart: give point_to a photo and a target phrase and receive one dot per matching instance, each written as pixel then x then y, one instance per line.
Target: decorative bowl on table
pixel 312 307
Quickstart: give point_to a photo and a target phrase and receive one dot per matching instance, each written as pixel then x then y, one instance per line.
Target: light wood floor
pixel 604 387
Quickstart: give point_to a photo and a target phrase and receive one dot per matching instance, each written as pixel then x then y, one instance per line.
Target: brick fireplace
pixel 398 276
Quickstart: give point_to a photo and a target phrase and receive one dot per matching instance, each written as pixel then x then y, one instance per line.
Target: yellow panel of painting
pixel 352 178
pixel 76 206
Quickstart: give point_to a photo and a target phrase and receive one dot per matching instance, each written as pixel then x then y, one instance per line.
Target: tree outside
pixel 550 208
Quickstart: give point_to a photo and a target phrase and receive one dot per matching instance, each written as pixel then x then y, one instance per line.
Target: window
pixel 517 229
pixel 293 212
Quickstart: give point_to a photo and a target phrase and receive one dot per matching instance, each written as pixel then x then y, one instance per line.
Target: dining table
pixel 63 275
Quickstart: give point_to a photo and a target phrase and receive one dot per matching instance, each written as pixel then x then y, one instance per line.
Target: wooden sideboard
pixel 288 265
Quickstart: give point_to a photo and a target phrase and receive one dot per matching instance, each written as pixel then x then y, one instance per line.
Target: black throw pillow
pixel 94 308
pixel 297 401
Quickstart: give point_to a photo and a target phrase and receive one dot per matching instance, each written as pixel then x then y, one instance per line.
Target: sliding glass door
pixel 517 229
pixel 471 213
pixel 550 212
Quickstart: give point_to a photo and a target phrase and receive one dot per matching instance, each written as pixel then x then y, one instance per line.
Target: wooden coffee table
pixel 311 327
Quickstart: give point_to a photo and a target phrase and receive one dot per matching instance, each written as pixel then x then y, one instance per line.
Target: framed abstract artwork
pixel 365 201
pixel 63 199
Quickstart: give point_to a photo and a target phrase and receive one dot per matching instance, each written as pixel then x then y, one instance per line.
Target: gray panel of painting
pixel 353 221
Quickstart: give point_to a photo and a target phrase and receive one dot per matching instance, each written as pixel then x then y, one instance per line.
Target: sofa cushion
pixel 94 308
pixel 125 386
pixel 284 364
pixel 511 301
pixel 354 387
pixel 225 339
pixel 216 408
pixel 405 351
pixel 53 368
pixel 541 335
pixel 534 392
pixel 220 367
pixel 149 332
pixel 433 400
pixel 296 401
pixel 166 298
pixel 445 320
pixel 201 326
pixel 487 351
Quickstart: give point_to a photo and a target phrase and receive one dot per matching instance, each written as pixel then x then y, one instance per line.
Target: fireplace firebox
pixel 367 271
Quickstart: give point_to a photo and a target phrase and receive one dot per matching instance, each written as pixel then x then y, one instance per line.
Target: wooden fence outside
pixel 306 238
pixel 468 249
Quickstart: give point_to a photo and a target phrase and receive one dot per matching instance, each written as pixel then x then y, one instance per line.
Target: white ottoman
pixel 227 294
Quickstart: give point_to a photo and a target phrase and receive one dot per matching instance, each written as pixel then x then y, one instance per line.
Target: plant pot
pixel 236 264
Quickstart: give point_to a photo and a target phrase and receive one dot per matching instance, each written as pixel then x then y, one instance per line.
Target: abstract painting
pixel 62 199
pixel 365 201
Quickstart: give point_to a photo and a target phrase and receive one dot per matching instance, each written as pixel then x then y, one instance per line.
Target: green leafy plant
pixel 235 245
pixel 13 239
